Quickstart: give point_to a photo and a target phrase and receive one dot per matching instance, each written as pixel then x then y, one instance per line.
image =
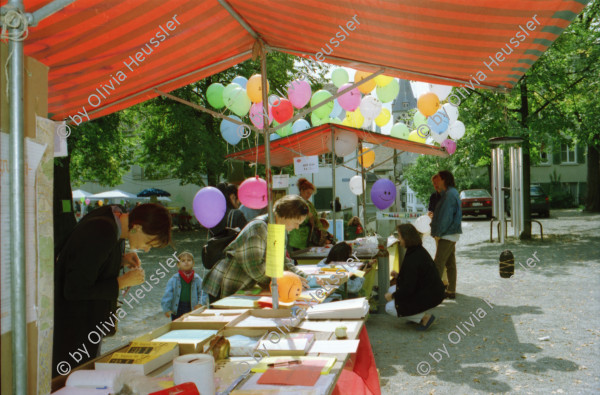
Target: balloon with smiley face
pixel 253 193
pixel 383 193
pixel 289 287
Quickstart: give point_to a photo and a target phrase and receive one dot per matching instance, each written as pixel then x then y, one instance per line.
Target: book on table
pixel 141 357
pixel 351 309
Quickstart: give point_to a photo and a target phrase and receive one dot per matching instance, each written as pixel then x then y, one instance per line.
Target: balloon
pixel 214 95
pixel 283 111
pixel 419 119
pixel 209 206
pixel 383 118
pixel 383 80
pixel 428 103
pixel 451 112
pixel 299 93
pixel 423 224
pixel 457 130
pixel 439 138
pixel 442 91
pixel 345 143
pixel 254 88
pixel 400 130
pixel 316 120
pixel 339 77
pixel 100 203
pixel 388 92
pixel 367 86
pixel 318 97
pixel 356 185
pixel 349 101
pixel 354 119
pixel 367 160
pixel 230 93
pixel 87 202
pixel 370 107
pixel 300 125
pixel 336 121
pixel 450 146
pixel 253 193
pixel 383 193
pixel 337 109
pixel 231 132
pixel 82 199
pixel 416 137
pixel 241 103
pixel 284 131
pixel 122 201
pixel 289 287
pixel 438 122
pixel 257 116
pixel 274 136
pixel 241 81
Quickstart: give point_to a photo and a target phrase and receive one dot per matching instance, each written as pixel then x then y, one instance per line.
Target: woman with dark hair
pixel 233 217
pixel 418 285
pixel 244 263
pixel 446 229
pixel 86 274
pixel 311 231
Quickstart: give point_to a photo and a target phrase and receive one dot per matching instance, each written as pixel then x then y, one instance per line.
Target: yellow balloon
pixel 100 203
pixel 414 136
pixel 383 80
pixel 354 118
pixel 383 118
pixel 254 88
pixel 367 160
pixel 428 103
pixel 367 87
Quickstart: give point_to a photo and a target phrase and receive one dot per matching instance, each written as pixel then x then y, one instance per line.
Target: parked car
pixel 476 202
pixel 540 203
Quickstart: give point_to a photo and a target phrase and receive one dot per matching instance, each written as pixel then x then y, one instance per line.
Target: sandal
pixel 427 325
pixel 450 295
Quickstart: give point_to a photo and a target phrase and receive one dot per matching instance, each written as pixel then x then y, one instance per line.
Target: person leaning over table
pixel 301 238
pixel 244 263
pixel 86 274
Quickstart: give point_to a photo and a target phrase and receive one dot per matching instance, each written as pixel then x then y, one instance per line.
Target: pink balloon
pixel 450 146
pixel 87 202
pixel 351 100
pixel 256 115
pixel 283 111
pixel 253 193
pixel 299 93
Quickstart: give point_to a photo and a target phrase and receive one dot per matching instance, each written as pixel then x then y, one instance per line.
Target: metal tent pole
pixel 17 209
pixel 364 188
pixel 333 157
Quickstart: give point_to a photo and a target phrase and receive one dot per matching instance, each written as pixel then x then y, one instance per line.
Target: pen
pixel 286 363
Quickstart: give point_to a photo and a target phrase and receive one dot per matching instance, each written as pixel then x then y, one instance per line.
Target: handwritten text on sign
pixel 306 164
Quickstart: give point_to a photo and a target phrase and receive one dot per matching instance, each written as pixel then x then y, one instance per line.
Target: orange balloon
pixel 254 88
pixel 289 287
pixel 367 160
pixel 367 87
pixel 428 103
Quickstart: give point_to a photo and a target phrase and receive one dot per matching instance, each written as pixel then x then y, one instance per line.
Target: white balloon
pixel 356 185
pixel 423 224
pixel 439 138
pixel 345 143
pixel 370 107
pixel 457 130
pixel 451 111
pixel 442 91
pixel 429 141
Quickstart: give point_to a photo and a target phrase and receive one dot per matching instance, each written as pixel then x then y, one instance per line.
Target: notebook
pixel 351 309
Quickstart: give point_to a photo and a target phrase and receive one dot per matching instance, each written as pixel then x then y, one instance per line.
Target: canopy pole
pixel 17 208
pixel 364 188
pixel 268 175
pixel 333 157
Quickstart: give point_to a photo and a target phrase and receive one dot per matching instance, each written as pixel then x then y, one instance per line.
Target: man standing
pixel 436 196
pixel 446 228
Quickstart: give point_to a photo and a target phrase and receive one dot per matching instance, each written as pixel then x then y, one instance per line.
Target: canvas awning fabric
pixel 317 141
pixel 87 44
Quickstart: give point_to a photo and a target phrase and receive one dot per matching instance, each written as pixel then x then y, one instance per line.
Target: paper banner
pixel 275 250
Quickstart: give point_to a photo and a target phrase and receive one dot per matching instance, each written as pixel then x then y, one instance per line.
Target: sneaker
pixel 427 325
pixel 450 295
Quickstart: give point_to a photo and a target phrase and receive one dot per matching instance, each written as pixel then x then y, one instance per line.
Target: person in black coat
pixel 87 279
pixel 418 285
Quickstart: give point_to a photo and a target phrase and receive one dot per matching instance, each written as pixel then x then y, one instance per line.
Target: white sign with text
pixel 306 164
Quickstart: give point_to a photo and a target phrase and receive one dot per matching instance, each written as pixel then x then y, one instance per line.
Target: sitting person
pixel 244 263
pixel 184 290
pixel 184 220
pixel 418 285
pixel 341 252
pixel 354 229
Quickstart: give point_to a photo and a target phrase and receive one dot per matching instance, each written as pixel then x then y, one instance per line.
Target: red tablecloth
pixel 359 376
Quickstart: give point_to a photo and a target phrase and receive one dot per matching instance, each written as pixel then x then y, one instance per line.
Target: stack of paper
pixel 351 309
pixel 325 363
pixel 189 339
pixel 289 344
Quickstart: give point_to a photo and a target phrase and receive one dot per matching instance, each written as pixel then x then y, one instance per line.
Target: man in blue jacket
pixel 446 228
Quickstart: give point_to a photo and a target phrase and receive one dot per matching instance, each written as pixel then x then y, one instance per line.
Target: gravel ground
pixel 536 334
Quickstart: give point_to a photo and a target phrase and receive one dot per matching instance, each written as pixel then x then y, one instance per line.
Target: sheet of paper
pixel 306 164
pixel 259 322
pixel 321 387
pixel 334 347
pixel 275 250
pixel 297 375
pixel 329 326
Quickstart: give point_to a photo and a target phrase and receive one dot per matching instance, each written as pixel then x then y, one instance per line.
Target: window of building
pixel 544 157
pixel 568 153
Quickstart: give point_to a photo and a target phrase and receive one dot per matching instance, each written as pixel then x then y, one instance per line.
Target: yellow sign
pixel 275 250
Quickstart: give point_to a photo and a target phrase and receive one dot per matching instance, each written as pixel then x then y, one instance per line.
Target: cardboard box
pixel 184 348
pixel 145 368
pixel 266 319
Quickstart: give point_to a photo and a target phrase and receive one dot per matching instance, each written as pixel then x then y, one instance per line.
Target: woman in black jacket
pixel 418 285
pixel 87 276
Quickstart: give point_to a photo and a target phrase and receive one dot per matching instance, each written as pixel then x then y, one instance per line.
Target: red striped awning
pixel 317 141
pixel 87 44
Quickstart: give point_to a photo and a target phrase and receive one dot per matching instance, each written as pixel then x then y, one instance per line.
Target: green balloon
pixel 316 120
pixel 241 103
pixel 228 94
pixel 214 95
pixel 336 121
pixel 400 130
pixel 325 110
pixel 284 131
pixel 339 77
pixel 419 119
pixel 387 93
pixel 82 199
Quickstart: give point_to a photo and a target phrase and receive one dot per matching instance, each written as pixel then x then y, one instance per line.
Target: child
pixel 341 252
pixel 184 289
pixel 354 229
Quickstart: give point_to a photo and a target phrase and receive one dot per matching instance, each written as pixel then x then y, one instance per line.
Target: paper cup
pixel 196 368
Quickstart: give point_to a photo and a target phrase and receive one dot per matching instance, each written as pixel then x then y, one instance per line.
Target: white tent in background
pixel 114 194
pixel 80 193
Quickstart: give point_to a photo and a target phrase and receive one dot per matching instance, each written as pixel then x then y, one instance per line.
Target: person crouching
pixel 184 289
pixel 418 285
